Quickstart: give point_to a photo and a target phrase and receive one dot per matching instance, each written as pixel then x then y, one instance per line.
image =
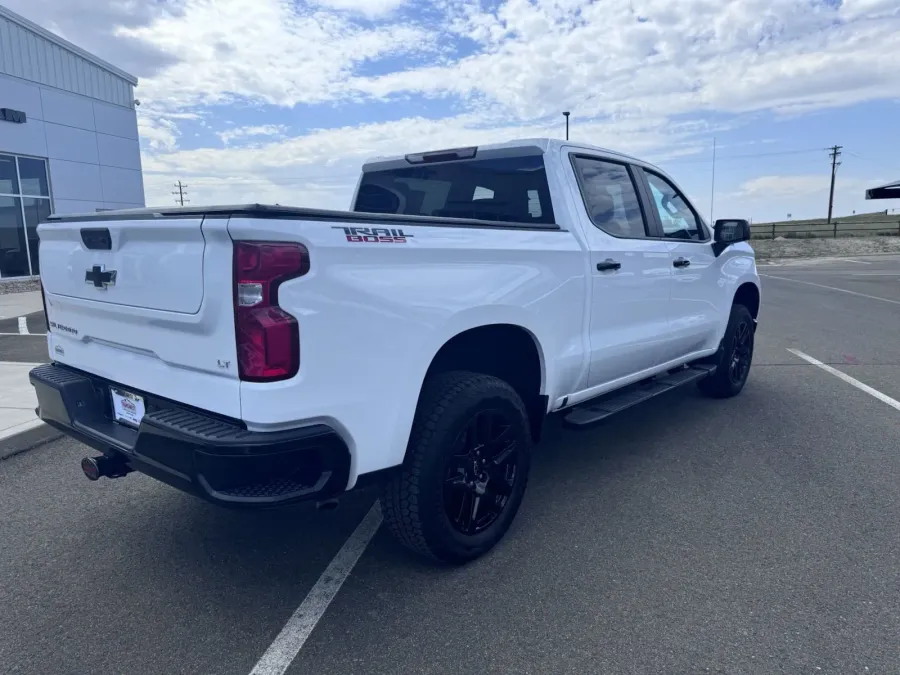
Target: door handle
pixel 608 265
pixel 682 262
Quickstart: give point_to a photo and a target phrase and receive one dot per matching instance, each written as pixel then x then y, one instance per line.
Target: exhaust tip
pixel 327 505
pixel 95 468
pixel 91 468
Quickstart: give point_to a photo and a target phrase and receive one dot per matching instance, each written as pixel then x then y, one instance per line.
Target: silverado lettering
pixel 66 329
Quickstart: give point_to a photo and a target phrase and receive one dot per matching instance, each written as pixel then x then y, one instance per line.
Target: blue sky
pixel 281 100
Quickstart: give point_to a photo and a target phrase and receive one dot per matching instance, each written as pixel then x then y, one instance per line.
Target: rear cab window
pixel 505 189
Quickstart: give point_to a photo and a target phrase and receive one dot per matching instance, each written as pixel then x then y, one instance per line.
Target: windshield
pixel 509 189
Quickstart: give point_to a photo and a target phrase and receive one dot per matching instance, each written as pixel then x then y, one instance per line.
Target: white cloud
pixel 245 132
pixel 772 197
pixel 777 187
pixel 799 186
pixel 267 51
pixel 852 9
pixel 644 76
pixel 533 56
pixel 369 8
pixel 291 168
pixel 91 24
pixel 157 134
pixel 694 55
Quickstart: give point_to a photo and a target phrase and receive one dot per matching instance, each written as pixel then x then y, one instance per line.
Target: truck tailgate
pixel 146 303
pixel 143 263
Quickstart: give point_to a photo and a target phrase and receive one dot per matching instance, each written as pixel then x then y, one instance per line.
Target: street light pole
pixel 567 124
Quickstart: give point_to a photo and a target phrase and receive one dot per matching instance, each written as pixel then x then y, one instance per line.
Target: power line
pixel 892 167
pixel 180 193
pixel 834 154
pixel 745 156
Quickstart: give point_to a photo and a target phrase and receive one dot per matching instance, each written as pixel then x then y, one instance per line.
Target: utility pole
pixel 567 124
pixel 180 193
pixel 835 153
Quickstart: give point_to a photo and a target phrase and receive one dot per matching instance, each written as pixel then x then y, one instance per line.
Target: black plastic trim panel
pixel 96 238
pixel 213 457
pixel 297 213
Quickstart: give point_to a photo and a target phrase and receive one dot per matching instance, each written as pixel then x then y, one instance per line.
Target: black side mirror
pixel 729 231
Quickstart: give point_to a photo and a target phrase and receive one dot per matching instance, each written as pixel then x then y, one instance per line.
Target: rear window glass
pixel 511 189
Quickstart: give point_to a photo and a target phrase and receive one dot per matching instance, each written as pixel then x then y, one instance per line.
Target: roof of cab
pixel 542 145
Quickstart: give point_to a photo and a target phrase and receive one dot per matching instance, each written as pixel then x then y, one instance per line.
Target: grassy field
pixel 862 225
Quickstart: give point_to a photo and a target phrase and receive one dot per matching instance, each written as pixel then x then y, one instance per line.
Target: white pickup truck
pixel 263 355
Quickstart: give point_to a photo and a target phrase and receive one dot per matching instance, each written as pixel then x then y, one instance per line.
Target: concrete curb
pixel 28 440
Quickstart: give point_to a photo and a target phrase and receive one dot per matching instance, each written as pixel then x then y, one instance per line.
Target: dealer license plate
pixel 128 408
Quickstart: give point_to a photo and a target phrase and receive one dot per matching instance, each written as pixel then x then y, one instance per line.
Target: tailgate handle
pixel 96 238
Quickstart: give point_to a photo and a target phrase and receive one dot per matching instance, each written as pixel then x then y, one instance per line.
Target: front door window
pixel 677 217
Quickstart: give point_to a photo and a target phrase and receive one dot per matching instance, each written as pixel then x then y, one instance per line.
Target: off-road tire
pixel 412 499
pixel 722 384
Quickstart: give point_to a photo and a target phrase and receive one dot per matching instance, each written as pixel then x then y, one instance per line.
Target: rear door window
pixel 610 197
pixel 508 189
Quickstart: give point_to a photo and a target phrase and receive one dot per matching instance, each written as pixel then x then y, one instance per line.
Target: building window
pixel 24 203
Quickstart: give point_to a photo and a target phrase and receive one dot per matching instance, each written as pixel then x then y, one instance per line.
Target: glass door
pixel 24 204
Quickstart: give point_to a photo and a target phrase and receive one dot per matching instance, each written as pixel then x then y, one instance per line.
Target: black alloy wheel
pixel 734 357
pixel 741 353
pixel 481 472
pixel 466 468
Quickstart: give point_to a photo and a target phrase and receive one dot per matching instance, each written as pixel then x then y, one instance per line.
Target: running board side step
pixel 595 410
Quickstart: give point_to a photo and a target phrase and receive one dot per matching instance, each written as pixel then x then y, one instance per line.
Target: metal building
pixel 68 137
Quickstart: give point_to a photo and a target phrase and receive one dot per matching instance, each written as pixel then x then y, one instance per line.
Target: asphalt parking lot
pixel 21 339
pixel 755 535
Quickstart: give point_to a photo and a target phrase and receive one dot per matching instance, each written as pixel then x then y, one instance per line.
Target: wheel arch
pixel 748 295
pixel 507 351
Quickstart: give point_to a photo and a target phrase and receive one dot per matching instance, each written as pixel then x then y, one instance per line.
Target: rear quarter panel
pixel 372 316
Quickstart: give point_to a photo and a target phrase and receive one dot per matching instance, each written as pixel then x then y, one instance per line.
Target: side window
pixel 678 219
pixel 610 198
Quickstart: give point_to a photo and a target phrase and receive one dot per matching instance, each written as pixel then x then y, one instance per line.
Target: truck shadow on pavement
pixel 685 521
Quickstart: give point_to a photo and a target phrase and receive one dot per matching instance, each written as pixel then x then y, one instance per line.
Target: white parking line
pixel 26 334
pixel 23 326
pixel 290 640
pixel 810 262
pixel 831 288
pixel 884 398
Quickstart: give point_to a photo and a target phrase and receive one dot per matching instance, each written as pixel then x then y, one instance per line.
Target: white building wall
pixel 31 53
pixel 92 146
pixel 80 122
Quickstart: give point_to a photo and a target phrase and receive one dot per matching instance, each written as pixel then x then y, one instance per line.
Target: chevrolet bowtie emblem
pixel 98 277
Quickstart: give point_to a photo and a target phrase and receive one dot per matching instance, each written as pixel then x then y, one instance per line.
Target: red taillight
pixel 268 338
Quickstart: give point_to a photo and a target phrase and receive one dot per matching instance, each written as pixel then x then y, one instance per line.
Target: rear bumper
pixel 212 457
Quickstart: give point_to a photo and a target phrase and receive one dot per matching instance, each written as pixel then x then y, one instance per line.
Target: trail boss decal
pixel 374 235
